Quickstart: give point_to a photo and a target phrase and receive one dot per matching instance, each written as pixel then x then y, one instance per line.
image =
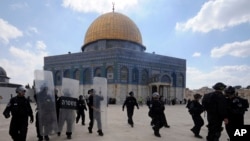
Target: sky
pixel 213 36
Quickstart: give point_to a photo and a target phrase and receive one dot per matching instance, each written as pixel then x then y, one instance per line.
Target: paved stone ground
pixel 117 128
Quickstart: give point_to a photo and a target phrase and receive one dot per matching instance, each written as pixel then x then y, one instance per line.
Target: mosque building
pixel 113 49
pixel 7 89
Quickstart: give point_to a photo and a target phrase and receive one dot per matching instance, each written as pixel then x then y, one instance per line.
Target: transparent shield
pixel 100 102
pixel 46 104
pixel 68 104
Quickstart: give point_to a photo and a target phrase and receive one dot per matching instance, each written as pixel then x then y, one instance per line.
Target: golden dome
pixel 113 26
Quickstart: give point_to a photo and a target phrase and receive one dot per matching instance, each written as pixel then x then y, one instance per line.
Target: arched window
pixel 110 73
pixel 144 76
pixel 135 75
pixel 180 80
pixel 58 78
pixel 98 72
pixel 87 76
pixel 124 74
pixel 76 74
pixel 166 79
pixel 66 74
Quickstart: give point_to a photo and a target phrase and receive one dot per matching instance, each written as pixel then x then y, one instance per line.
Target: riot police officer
pixel 236 110
pixel 94 104
pixel 20 110
pixel 195 109
pixel 81 106
pixel 215 104
pixel 156 112
pixel 130 103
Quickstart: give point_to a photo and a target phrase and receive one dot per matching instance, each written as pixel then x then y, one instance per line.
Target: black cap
pixel 90 91
pixel 131 93
pixel 219 86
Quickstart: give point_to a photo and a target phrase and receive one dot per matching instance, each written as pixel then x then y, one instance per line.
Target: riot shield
pixel 100 102
pixel 68 104
pixel 46 118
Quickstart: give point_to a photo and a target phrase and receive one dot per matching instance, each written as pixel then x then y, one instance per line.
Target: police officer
pixel 130 102
pixel 81 106
pixel 236 110
pixel 195 109
pixel 44 114
pixel 215 104
pixel 20 109
pixel 94 103
pixel 156 112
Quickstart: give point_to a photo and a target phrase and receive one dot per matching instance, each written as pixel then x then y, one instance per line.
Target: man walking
pixel 130 103
pixel 20 109
pixel 216 106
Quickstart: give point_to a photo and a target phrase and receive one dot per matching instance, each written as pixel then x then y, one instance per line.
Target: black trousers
pixel 130 113
pixel 80 114
pixel 18 128
pixel 214 128
pixel 198 123
pixel 158 122
pixel 234 122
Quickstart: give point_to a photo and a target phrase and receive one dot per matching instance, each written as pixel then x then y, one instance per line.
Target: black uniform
pixel 20 109
pixel 195 109
pixel 236 110
pixel 156 112
pixel 130 102
pixel 216 106
pixel 81 106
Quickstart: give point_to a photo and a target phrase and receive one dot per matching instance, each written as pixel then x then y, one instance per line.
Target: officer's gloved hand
pixel 6 115
pixel 31 119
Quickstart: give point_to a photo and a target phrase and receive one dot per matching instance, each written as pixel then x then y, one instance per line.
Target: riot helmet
pixel 20 89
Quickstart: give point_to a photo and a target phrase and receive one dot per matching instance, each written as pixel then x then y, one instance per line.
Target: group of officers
pixel 20 110
pixel 221 105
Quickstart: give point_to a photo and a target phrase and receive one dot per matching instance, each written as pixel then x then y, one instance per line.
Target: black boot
pixel 40 138
pixel 68 135
pixel 90 130
pixel 156 132
pixel 100 132
pixel 46 138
